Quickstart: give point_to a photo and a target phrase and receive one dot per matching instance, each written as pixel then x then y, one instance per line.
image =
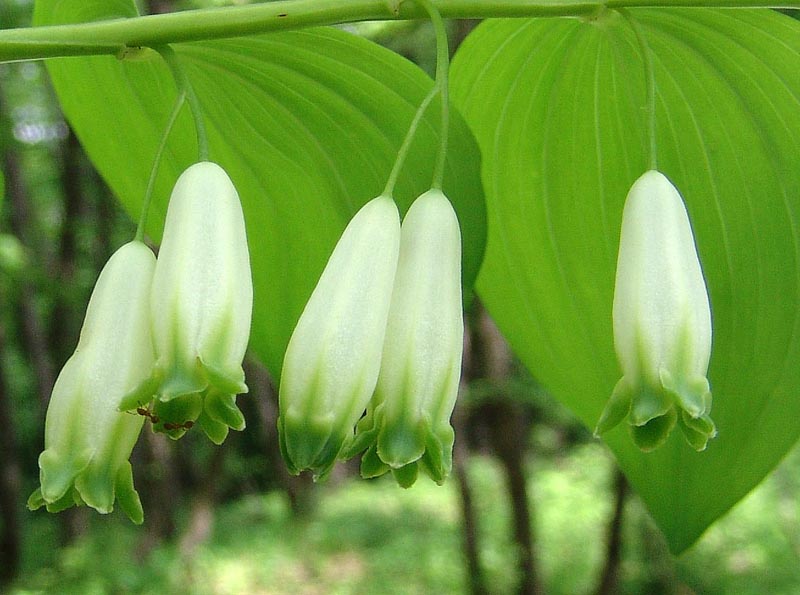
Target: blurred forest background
pixel 535 504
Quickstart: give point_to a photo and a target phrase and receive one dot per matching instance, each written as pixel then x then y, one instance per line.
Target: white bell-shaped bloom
pixel 333 357
pixel 662 321
pixel 201 302
pixel 87 439
pixel 408 422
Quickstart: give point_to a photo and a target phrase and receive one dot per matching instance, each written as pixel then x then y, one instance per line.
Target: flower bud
pixel 408 421
pixel 87 439
pixel 333 357
pixel 662 321
pixel 201 303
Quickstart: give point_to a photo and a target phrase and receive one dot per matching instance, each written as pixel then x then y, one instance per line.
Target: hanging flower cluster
pixel 662 322
pixel 172 330
pixel 382 332
pixel 408 419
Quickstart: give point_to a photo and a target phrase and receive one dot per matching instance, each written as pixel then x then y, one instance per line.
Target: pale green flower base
pixel 309 443
pixel 402 446
pixel 204 394
pixel 653 411
pixel 81 481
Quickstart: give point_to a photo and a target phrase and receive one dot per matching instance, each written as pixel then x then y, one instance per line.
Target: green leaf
pixel 307 124
pixel 558 109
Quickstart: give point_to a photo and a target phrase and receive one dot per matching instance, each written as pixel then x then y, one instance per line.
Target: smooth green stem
pixel 115 35
pixel 184 86
pixel 443 86
pixel 650 81
pixel 403 152
pixel 440 88
pixel 148 194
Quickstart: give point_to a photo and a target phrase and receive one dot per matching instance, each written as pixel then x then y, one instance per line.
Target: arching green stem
pixel 442 84
pixel 403 152
pixel 114 35
pixel 184 86
pixel 650 81
pixel 148 194
pixel 440 88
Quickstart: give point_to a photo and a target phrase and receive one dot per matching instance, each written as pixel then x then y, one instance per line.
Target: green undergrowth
pixel 374 538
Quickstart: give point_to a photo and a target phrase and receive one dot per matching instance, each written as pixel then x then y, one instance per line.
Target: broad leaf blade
pixel 562 144
pixel 307 124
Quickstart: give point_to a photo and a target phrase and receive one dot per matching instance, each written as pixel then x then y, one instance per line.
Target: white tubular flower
pixel 662 321
pixel 201 302
pixel 333 357
pixel 408 422
pixel 87 439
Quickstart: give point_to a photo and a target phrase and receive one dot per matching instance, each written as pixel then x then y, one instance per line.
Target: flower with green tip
pixel 333 357
pixel 408 421
pixel 87 439
pixel 662 322
pixel 201 305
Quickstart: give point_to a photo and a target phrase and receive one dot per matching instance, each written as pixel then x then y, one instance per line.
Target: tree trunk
pixel 68 309
pixel 159 490
pixel 477 584
pixel 34 335
pixel 10 496
pixel 508 429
